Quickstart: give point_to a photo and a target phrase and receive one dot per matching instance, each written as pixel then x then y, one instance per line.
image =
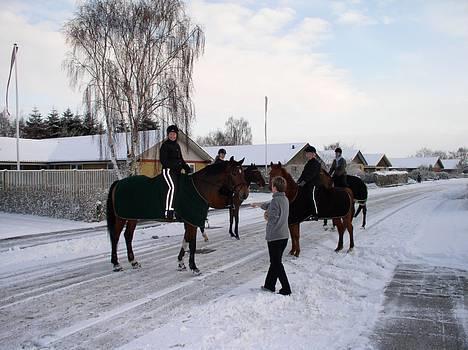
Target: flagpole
pixel 18 166
pixel 266 152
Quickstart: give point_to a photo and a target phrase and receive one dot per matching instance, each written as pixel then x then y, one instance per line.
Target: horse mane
pixel 326 174
pixel 215 169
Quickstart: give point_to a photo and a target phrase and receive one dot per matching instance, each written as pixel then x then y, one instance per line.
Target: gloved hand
pixel 187 169
pixel 302 183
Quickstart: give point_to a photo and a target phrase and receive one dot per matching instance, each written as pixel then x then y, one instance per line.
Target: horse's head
pixel 325 179
pixel 253 174
pixel 235 179
pixel 276 170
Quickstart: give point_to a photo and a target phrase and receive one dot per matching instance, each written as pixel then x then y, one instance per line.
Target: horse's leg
pixel 191 238
pixel 231 220
pixel 348 220
pixel 180 257
pixel 358 210
pixel 115 236
pixel 364 215
pixel 129 231
pixel 340 227
pixel 203 233
pixel 236 218
pixel 294 230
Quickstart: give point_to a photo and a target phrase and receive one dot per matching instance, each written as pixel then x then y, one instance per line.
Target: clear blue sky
pixel 383 76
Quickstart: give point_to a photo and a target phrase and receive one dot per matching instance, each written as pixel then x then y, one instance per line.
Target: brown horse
pixel 207 182
pixel 252 175
pixel 334 203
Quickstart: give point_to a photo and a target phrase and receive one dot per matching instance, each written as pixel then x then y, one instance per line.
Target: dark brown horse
pixel 332 203
pixel 359 189
pixel 252 175
pixel 207 182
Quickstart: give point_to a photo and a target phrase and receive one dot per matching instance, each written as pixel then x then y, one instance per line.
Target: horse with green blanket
pixel 142 197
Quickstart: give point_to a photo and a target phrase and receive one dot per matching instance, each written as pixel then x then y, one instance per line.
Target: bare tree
pixel 136 59
pixel 236 132
pixel 214 138
pixel 426 152
pixel 332 146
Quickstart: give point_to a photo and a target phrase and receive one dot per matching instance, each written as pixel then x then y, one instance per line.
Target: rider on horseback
pixel 220 157
pixel 338 169
pixel 310 177
pixel 172 163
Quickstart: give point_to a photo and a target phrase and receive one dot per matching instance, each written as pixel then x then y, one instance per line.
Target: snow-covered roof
pixel 390 172
pixel 348 154
pixel 373 159
pixel 450 164
pixel 279 152
pixel 70 149
pixel 414 162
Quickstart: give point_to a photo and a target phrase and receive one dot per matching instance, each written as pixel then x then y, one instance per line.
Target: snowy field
pixel 57 291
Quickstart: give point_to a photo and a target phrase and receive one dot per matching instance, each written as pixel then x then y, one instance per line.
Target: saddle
pixel 331 203
pixel 142 197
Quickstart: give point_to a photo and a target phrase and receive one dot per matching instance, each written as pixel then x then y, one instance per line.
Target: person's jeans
pixel 276 270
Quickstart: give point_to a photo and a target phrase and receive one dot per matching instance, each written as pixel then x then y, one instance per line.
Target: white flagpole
pixel 266 152
pixel 18 166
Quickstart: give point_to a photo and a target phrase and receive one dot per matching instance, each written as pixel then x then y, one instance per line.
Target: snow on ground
pixel 14 225
pixel 336 297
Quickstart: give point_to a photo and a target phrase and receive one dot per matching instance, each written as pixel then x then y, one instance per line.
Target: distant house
pixel 92 152
pixel 452 165
pixel 355 160
pixel 412 163
pixel 376 162
pixel 291 155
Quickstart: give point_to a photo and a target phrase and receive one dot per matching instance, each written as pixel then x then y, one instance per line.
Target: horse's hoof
pixel 206 239
pixel 136 264
pixel 237 237
pixel 350 250
pixel 363 227
pixel 338 249
pixel 181 267
pixel 196 271
pixel 117 268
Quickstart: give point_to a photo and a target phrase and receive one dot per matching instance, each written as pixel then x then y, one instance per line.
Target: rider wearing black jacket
pixel 338 169
pixel 172 163
pixel 310 177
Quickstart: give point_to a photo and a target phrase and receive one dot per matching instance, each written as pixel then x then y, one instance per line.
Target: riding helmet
pixel 310 148
pixel 172 128
pixel 338 150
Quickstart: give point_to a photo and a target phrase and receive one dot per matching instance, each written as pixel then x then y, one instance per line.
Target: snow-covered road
pixel 62 293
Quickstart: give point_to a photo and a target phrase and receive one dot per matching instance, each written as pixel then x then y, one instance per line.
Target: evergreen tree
pixel 67 123
pixel 35 128
pixel 147 123
pixel 6 127
pixel 121 126
pixel 76 126
pixel 89 125
pixel 53 125
pixel 22 127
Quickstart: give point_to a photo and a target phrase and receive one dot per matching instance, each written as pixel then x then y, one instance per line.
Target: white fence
pixel 62 181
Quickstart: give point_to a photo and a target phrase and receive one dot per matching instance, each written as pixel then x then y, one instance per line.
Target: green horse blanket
pixel 142 197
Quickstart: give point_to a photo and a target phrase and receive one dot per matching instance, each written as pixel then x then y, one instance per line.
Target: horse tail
pixel 110 211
